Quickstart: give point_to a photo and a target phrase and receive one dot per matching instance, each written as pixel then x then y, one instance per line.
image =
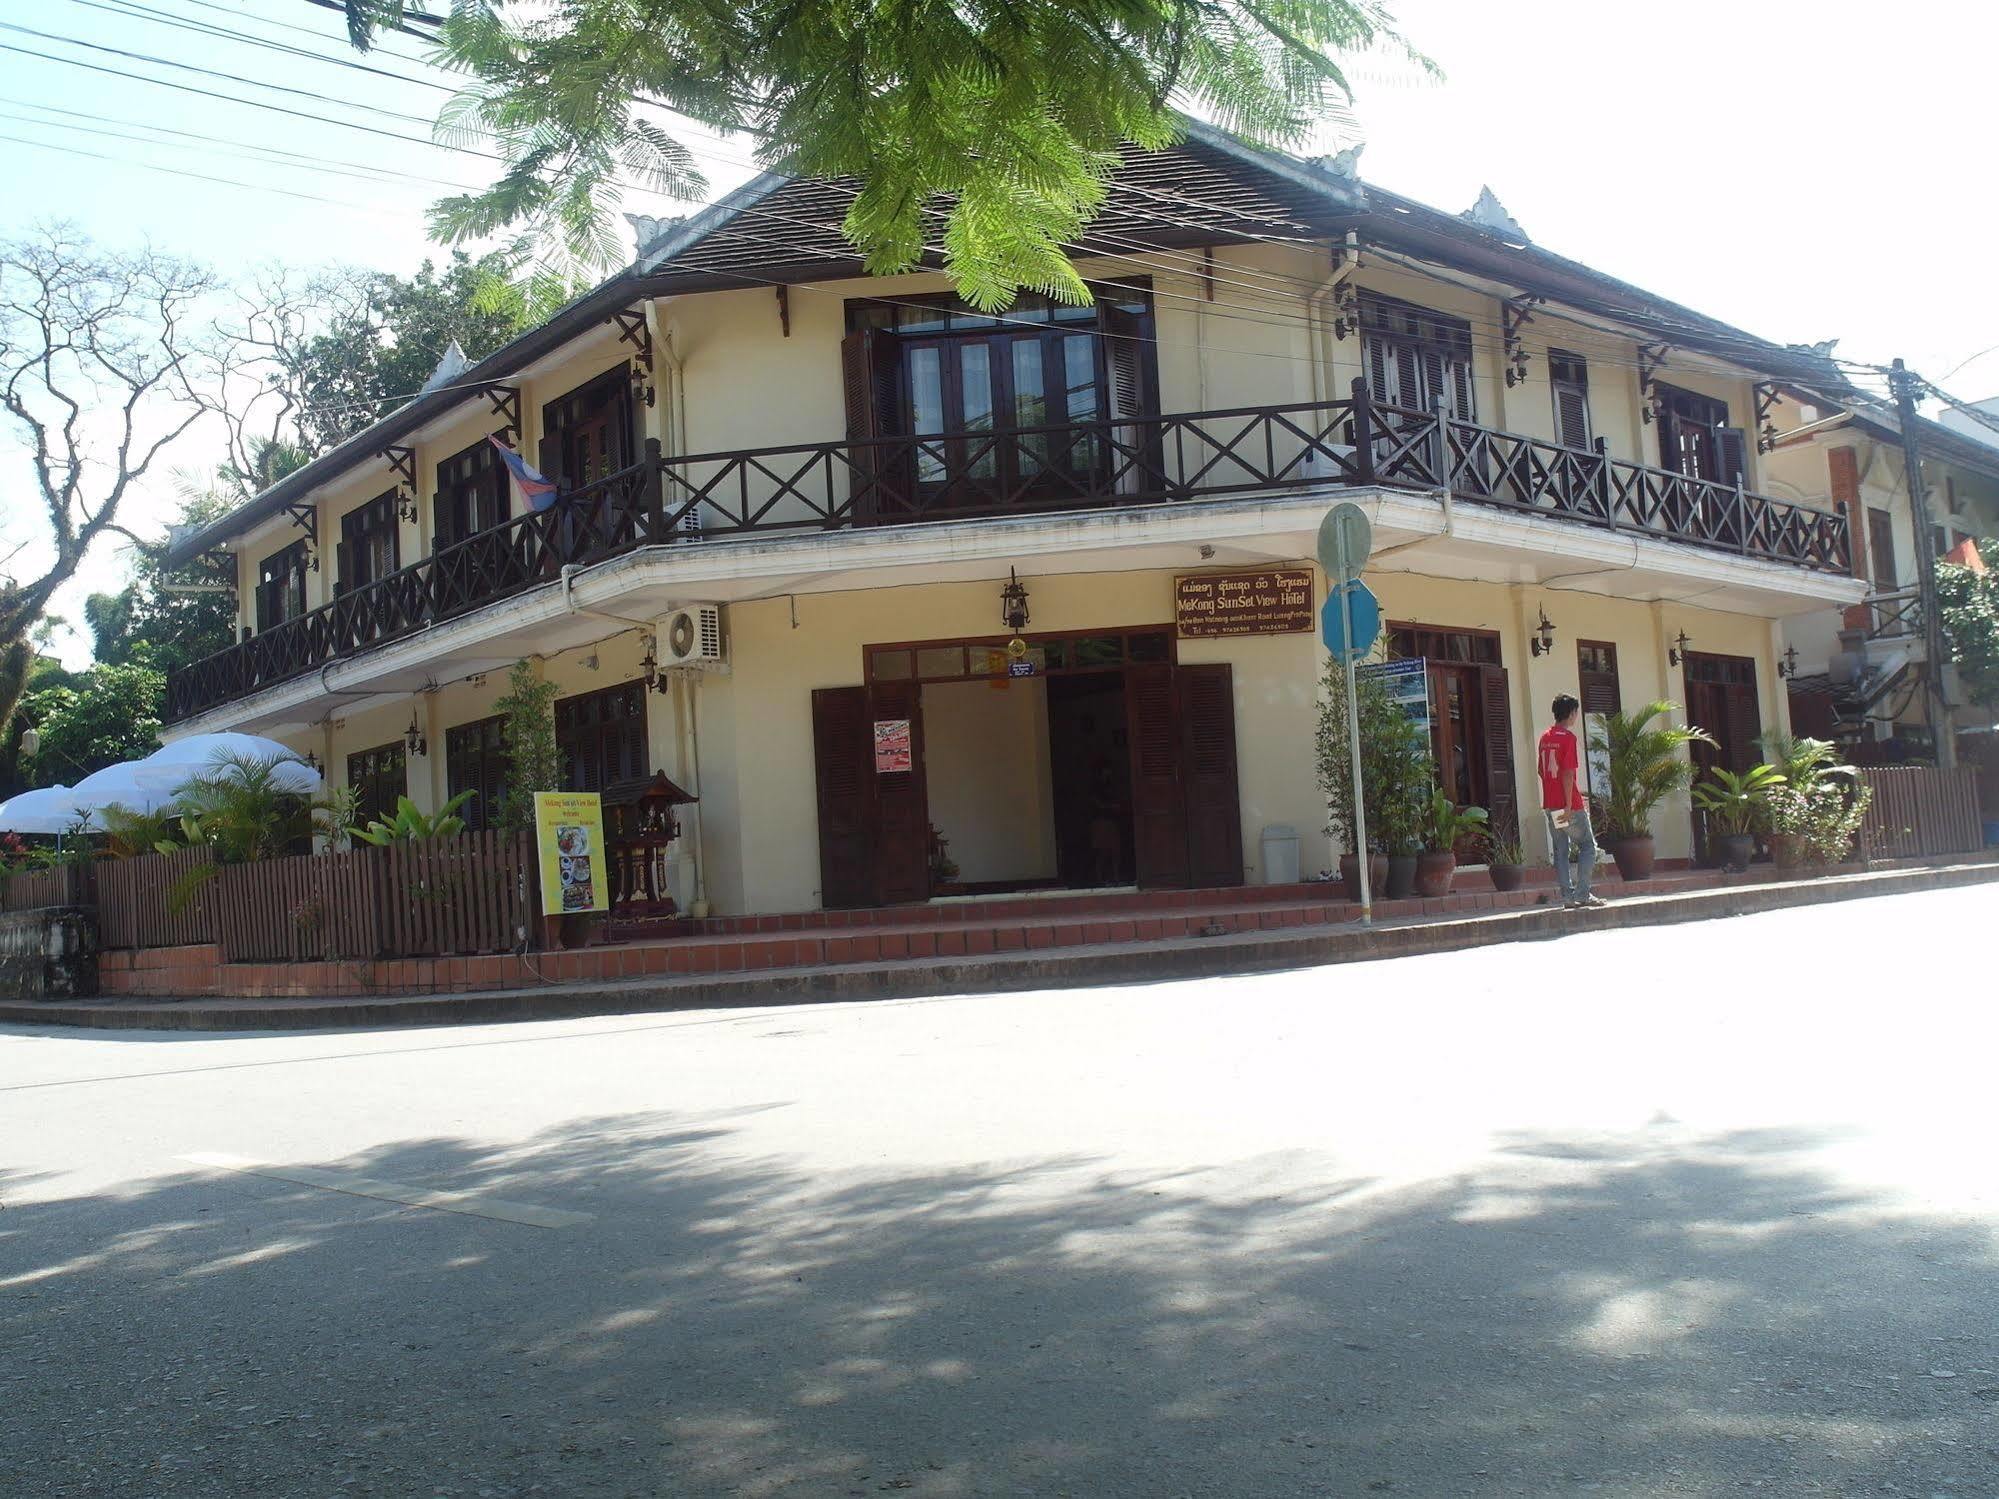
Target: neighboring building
pixel 853 470
pixel 1860 674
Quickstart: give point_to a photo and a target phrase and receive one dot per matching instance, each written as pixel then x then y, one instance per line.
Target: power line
pixel 200 176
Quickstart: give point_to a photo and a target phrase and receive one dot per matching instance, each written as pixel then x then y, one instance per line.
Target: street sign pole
pixel 1353 747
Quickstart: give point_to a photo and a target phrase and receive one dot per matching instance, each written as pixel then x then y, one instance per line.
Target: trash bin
pixel 1280 855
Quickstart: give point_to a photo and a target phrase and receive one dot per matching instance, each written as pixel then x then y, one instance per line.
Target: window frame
pixel 473 483
pixel 475 760
pixel 287 565
pixel 594 737
pixel 1585 672
pixel 370 533
pixel 377 769
pixel 1410 336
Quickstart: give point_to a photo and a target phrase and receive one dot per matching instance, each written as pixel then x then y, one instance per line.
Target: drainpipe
pixel 1315 316
pixel 570 571
pixel 689 683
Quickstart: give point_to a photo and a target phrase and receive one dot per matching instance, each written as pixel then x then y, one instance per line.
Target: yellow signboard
pixel 569 840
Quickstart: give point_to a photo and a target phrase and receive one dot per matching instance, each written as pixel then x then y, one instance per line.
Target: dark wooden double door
pixel 874 826
pixel 1721 698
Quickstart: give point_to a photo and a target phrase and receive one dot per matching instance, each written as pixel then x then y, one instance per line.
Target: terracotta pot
pixel 1401 876
pixel 1788 850
pixel 1737 849
pixel 1434 873
pixel 1506 876
pixel 1377 875
pixel 1634 857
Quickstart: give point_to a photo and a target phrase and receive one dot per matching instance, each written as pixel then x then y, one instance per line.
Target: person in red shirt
pixel 1567 810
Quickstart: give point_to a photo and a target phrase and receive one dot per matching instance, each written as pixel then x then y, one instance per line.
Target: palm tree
pixel 1645 765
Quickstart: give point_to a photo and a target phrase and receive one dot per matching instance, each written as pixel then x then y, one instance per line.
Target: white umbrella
pixel 206 750
pixel 122 785
pixel 49 809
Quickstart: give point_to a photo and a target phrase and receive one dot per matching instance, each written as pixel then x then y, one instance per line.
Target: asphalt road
pixel 1696 1210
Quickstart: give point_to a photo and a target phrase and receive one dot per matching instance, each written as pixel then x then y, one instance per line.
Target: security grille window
pixel 1569 375
pixel 475 760
pixel 369 543
pixel 281 586
pixel 377 777
pixel 1596 672
pixel 471 494
pixel 601 737
pixel 1415 356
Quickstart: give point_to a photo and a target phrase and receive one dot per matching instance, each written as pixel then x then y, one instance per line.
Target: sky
pixel 1804 172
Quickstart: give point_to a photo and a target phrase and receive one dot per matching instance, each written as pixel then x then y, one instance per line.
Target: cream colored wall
pixel 990 783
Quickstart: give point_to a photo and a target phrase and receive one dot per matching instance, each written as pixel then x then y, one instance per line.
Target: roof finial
pixel 1489 213
pixel 449 367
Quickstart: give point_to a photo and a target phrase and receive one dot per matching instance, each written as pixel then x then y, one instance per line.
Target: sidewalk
pixel 1208 951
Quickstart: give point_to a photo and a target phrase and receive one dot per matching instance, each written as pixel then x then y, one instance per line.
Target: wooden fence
pixel 32 889
pixel 472 893
pixel 156 900
pixel 1920 811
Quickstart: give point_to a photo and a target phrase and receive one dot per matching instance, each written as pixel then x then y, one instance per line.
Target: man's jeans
pixel 1574 886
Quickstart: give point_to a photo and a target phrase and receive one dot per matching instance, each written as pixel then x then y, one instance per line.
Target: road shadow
pixel 1657 1312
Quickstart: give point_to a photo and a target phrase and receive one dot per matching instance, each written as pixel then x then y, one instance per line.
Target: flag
pixel 536 488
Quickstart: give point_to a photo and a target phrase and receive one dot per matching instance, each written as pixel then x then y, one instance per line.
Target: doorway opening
pixel 1089 756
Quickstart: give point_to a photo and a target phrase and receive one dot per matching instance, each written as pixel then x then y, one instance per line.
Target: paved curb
pixel 1122 963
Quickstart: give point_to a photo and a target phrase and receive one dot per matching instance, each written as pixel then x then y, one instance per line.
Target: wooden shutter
pixel 1742 725
pixel 1572 416
pixel 548 457
pixel 1135 460
pixel 1596 677
pixel 343 565
pixel 443 519
pixel 868 380
pixel 1731 455
pixel 843 760
pixel 902 802
pixel 1158 810
pixel 1208 775
pixel 1496 726
pixel 1377 370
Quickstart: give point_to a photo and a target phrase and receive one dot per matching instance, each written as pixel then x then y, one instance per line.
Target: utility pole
pixel 1904 385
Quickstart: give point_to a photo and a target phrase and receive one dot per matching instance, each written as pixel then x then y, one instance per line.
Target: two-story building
pixel 806 514
pixel 1859 675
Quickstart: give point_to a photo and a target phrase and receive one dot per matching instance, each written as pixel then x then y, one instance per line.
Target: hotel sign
pixel 1273 601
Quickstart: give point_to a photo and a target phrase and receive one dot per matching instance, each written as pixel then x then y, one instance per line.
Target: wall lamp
pixel 1544 637
pixel 1677 652
pixel 1013 603
pixel 1788 667
pixel 413 739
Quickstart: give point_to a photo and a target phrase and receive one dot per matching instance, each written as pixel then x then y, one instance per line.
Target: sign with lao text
pixel 1274 601
pixel 892 748
pixel 569 842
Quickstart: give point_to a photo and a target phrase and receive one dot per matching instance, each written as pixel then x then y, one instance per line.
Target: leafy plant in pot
pixel 1505 861
pixel 1394 770
pixel 1813 815
pixel 1737 807
pixel 1446 824
pixel 1646 765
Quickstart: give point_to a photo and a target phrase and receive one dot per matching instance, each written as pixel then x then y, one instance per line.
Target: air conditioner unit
pixel 1320 463
pixel 691 635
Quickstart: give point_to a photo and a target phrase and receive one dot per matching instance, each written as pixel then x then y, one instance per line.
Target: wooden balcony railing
pixel 702 499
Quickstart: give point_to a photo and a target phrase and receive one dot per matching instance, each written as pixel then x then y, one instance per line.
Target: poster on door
pixel 1408 682
pixel 1596 759
pixel 569 844
pixel 892 748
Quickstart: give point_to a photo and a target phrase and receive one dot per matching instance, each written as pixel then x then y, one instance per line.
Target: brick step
pixel 1061 905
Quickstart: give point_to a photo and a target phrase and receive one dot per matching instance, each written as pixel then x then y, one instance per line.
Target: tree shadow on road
pixel 1648 1313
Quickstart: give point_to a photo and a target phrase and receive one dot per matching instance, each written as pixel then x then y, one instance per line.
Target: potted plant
pixel 1736 806
pixel 1645 767
pixel 1446 824
pixel 1504 860
pixel 1815 795
pixel 1394 768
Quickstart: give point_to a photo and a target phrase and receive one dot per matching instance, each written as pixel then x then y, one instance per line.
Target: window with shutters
pixel 378 777
pixel 1596 675
pixel 1480 647
pixel 471 494
pixel 1568 374
pixel 475 760
pixel 587 433
pixel 601 737
pixel 1881 547
pixel 1415 356
pixel 1695 438
pixel 1045 364
pixel 370 543
pixel 281 586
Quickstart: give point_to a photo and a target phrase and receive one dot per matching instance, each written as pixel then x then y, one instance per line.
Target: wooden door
pixel 1208 775
pixel 843 761
pixel 1721 698
pixel 1501 794
pixel 901 801
pixel 1158 807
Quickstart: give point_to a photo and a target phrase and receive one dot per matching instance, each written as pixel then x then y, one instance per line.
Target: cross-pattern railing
pixel 701 499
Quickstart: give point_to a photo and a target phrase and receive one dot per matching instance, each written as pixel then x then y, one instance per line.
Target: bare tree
pixel 98 359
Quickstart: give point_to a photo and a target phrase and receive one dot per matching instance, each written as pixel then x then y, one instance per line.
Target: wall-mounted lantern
pixel 1544 637
pixel 1788 667
pixel 1677 652
pixel 1013 603
pixel 413 739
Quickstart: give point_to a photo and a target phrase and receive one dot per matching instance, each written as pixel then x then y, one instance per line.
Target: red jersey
pixel 1558 753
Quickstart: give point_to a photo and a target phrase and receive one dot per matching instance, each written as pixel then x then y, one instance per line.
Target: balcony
pixel 706 499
